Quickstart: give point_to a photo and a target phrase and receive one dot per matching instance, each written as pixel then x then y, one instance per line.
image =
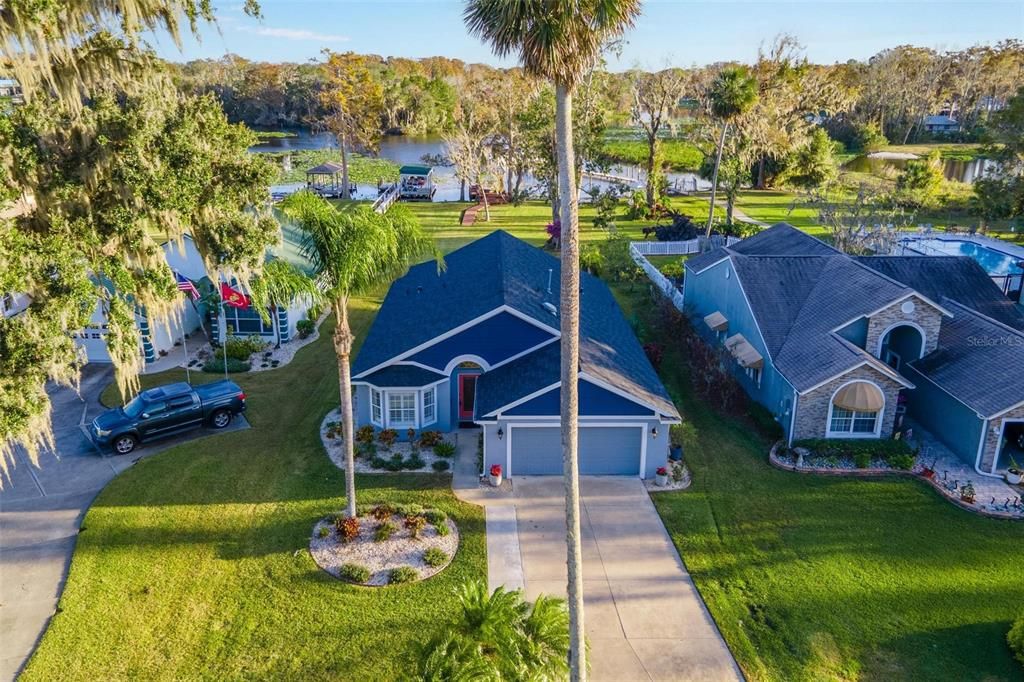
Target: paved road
pixel 41 510
pixel 644 617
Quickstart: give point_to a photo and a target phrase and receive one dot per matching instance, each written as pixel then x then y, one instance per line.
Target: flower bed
pixel 380 451
pixel 677 478
pixel 868 454
pixel 385 544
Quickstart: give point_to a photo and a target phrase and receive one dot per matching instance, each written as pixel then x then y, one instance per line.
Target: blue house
pixel 842 347
pixel 476 345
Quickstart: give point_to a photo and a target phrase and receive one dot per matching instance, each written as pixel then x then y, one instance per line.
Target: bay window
pixel 401 410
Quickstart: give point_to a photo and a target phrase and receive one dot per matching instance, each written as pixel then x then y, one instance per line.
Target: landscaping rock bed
pixel 364 554
pixel 399 456
pixel 678 479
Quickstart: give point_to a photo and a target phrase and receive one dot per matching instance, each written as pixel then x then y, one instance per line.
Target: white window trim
pixel 423 406
pixel 374 393
pixel 829 433
pixel 415 423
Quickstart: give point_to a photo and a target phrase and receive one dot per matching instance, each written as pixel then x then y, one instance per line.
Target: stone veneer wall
pixel 988 457
pixel 924 315
pixel 812 411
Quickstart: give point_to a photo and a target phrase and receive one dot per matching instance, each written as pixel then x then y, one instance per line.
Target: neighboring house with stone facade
pixel 843 347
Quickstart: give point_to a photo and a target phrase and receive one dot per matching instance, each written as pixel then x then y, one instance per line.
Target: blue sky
pixel 677 32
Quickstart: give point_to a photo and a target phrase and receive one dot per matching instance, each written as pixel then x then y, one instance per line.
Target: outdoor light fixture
pixel 501 433
pixel 654 432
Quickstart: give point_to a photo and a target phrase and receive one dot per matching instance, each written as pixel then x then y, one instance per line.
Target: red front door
pixel 467 396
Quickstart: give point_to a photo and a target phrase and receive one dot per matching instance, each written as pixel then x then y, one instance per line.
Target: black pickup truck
pixel 165 410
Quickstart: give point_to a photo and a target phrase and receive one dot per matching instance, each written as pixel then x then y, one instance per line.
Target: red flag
pixel 233 297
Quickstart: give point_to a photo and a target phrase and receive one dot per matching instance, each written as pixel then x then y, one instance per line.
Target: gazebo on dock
pixel 327 179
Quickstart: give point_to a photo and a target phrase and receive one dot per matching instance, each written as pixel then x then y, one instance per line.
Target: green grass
pixel 677 155
pixel 361 169
pixel 819 578
pixel 772 207
pixel 194 564
pixel 956 151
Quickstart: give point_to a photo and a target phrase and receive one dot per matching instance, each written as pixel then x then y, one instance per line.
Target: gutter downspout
pixel 792 418
pixel 981 450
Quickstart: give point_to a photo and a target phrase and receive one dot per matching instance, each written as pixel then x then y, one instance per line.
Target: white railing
pixel 385 200
pixel 666 248
pixel 664 284
pixel 698 245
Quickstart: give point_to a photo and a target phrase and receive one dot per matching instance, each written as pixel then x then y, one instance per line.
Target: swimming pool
pixel 992 261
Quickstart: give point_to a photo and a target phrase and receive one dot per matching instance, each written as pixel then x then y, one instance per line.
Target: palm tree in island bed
pixel 279 285
pixel 354 252
pixel 559 40
pixel 733 93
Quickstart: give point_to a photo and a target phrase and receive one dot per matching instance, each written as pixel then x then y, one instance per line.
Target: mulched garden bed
pixel 386 458
pixel 387 545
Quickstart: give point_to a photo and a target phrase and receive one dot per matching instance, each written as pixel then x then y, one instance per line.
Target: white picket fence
pixel 664 284
pixel 698 245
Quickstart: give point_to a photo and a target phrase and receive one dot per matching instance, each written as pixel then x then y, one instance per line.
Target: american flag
pixel 186 285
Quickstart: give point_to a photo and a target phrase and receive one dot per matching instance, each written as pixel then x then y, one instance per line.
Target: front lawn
pixel 195 563
pixel 818 578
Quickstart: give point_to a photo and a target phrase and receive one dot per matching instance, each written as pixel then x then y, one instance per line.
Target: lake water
pixel 410 149
pixel 952 169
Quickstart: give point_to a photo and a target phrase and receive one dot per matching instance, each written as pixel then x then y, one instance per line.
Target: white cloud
pixel 294 34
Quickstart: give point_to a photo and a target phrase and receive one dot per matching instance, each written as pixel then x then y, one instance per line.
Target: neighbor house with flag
pixel 196 310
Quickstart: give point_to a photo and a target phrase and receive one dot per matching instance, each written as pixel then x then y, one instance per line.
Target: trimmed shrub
pixel 387 438
pixel 323 532
pixel 435 556
pixel 1015 638
pixel 365 435
pixel 347 527
pixel 440 465
pixel 415 525
pixel 403 574
pixel 842 447
pixel 384 532
pixel 414 461
pixel 442 530
pixel 354 573
pixel 862 460
pixel 904 462
pixel 429 439
pixel 240 348
pixel 306 327
pixel 444 449
pixel 216 365
pixel 411 509
pixel 382 512
pixel 435 516
pixel 379 462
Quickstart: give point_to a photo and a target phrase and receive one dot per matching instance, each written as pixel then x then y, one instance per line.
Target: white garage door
pixel 94 342
pixel 604 450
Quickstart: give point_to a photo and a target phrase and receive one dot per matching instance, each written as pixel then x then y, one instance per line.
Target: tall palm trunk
pixel 344 167
pixel 652 172
pixel 343 351
pixel 570 348
pixel 714 177
pixel 275 319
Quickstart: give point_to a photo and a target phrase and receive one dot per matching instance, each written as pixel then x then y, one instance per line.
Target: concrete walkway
pixel 41 511
pixel 643 615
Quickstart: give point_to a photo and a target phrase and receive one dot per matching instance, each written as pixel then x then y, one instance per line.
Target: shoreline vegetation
pixel 361 169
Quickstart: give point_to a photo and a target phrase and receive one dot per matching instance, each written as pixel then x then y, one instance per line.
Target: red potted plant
pixel 661 476
pixel 495 475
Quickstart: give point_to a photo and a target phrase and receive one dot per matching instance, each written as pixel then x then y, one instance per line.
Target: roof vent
pixel 419 290
pixel 550 307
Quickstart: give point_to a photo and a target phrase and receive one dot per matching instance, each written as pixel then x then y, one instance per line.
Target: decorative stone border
pixel 335 448
pixel 400 550
pixel 774 460
pixel 671 485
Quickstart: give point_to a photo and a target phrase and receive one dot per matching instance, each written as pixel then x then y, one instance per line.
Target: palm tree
pixel 732 94
pixel 279 285
pixel 353 252
pixel 559 40
pixel 498 636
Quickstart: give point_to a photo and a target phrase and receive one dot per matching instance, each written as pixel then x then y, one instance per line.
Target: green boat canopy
pixel 415 170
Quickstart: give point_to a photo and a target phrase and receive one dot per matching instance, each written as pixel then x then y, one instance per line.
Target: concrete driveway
pixel 644 618
pixel 41 510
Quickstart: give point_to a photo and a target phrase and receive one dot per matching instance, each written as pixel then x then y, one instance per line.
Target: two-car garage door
pixel 604 450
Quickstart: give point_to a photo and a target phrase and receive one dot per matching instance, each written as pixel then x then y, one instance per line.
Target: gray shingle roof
pixel 979 361
pixel 798 298
pixel 402 375
pixel 707 259
pixel 959 278
pixel 500 269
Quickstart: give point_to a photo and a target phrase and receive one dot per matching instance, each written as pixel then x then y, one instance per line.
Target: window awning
pixel 859 397
pixel 716 321
pixel 744 353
